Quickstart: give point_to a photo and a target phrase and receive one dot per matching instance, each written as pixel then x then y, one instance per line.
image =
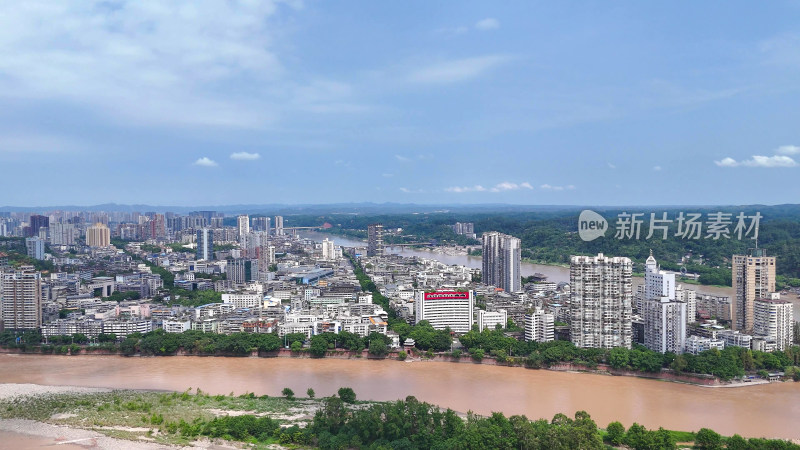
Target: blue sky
pixel 188 103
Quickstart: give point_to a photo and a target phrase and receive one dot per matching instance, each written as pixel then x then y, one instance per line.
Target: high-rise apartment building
pixel 205 244
pixel 665 316
pixel 664 325
pixel 753 277
pixel 501 261
pixel 328 250
pixel 464 228
pixel 243 225
pixel 156 226
pixel 21 299
pixel 62 234
pixel 688 296
pixel 278 225
pixel 375 240
pixel 37 221
pixel 773 319
pixel 445 309
pixel 35 247
pixel 261 224
pixel 600 301
pixel 658 283
pixel 242 270
pixel 98 235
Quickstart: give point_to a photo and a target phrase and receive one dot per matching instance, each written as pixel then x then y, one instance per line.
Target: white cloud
pixel 387 175
pixel 244 156
pixel 180 62
pixel 549 187
pixel 462 189
pixel 487 24
pixel 759 161
pixel 206 162
pixel 727 162
pixel 411 191
pixel 402 158
pixel 788 149
pixel 457 70
pixel 611 166
pixel 508 186
pixel 657 168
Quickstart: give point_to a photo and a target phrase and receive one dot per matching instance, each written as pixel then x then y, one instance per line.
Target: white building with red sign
pixel 444 309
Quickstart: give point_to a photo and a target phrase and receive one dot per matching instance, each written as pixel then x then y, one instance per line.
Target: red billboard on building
pixel 446 295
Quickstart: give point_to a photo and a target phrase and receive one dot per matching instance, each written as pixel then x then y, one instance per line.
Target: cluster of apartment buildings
pixel 661 315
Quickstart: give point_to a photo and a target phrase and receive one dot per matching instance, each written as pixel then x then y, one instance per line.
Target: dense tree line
pixel 159 342
pixel 410 424
pixel 726 364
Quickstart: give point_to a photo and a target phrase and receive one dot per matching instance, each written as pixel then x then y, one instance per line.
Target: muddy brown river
pixel 769 410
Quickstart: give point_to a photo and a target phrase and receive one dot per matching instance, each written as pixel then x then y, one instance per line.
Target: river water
pixel 766 410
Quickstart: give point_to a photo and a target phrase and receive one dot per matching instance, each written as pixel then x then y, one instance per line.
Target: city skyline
pixel 641 97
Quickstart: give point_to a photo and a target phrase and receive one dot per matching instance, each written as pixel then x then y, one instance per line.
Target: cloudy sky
pixel 225 102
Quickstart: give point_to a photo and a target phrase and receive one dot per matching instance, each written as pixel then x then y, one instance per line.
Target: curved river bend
pixel 766 410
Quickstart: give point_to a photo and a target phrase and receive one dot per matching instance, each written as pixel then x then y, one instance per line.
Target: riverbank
pixel 75 417
pixel 703 380
pixel 32 416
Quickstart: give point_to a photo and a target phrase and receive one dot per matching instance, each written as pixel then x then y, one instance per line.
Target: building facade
pixel 328 250
pixel 98 235
pixel 491 319
pixel 501 261
pixel 753 277
pixel 243 226
pixel 665 325
pixel 34 247
pixel 600 301
pixel 445 309
pixel 21 299
pixel 205 244
pixel 540 327
pixel 773 319
pixel 375 239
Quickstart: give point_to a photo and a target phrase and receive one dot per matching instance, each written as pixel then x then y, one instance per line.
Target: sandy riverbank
pixel 29 434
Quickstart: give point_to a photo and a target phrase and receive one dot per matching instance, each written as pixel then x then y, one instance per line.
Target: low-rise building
pixel 697 344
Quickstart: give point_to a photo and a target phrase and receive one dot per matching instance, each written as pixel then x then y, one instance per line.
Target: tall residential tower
pixel 375 240
pixel 600 301
pixel 753 277
pixel 501 261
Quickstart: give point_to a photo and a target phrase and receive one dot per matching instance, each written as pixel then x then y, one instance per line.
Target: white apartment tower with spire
pixel 665 317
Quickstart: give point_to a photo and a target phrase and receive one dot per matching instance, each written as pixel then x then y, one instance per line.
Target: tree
pixel 708 439
pixel 736 442
pixel 679 364
pixel 319 346
pixel 615 433
pixel 402 355
pixel 378 348
pixel 297 346
pixel 348 395
pixel 288 393
pixel 310 393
